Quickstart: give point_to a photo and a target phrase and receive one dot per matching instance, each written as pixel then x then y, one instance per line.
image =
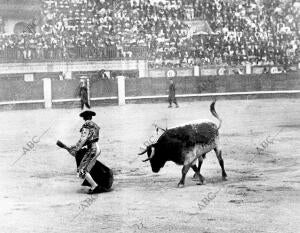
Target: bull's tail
pixel 215 114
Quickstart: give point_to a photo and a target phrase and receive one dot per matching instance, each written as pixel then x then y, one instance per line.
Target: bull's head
pixel 156 160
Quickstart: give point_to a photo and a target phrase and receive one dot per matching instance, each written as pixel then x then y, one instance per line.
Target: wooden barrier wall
pixel 15 91
pixel 104 88
pixel 20 90
pixel 214 84
pixel 65 89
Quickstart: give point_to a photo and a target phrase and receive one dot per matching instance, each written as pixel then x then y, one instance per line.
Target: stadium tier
pixel 231 32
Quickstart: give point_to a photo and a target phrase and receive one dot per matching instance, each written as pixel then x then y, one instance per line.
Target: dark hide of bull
pixel 184 145
pixel 202 133
pixel 101 174
pixel 170 145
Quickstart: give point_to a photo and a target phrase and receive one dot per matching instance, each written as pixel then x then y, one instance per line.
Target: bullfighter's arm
pixel 85 134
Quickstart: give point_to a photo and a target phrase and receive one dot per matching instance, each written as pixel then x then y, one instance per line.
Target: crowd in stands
pixel 257 32
pixel 262 32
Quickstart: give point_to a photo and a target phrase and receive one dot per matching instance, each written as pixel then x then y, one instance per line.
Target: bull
pixel 186 144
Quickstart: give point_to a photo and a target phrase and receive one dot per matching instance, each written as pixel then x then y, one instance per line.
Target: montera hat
pixel 87 113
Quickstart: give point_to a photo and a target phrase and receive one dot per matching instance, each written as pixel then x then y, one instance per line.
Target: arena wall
pixel 13 90
pixel 65 89
pixel 214 84
pixel 105 91
pixel 104 88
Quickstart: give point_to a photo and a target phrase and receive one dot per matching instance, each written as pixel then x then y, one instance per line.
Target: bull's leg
pixel 221 162
pixel 184 171
pixel 200 161
pixel 197 173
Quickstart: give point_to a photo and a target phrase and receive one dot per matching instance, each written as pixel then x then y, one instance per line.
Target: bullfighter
pixel 89 139
pixel 172 97
pixel 83 93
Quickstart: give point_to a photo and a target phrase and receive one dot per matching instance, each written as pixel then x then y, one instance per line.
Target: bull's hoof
pixel 180 185
pixel 224 176
pixel 200 183
pixel 201 180
pixel 195 177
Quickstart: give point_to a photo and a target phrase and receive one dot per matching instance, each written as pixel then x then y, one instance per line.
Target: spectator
pixel 262 32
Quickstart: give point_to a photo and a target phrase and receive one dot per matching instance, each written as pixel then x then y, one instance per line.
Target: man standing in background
pixel 83 93
pixel 172 93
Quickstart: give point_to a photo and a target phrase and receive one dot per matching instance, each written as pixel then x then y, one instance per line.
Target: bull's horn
pixel 143 152
pixel 152 152
pixel 146 160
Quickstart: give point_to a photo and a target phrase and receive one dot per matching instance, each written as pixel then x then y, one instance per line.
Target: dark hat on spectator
pixel 87 113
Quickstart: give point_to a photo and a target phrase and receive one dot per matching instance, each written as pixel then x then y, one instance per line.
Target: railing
pixel 70 54
pixel 137 52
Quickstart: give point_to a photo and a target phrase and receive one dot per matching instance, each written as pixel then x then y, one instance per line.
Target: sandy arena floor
pixel 41 193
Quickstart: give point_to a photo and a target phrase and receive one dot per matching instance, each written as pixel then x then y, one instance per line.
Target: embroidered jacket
pixel 89 134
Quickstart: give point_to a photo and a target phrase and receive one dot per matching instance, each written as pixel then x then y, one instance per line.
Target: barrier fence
pixel 120 90
pixel 13 90
pixel 213 84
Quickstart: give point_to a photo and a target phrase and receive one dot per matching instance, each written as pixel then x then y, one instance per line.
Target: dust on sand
pixel 41 193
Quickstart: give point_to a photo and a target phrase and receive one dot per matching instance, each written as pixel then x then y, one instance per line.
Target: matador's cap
pixel 87 113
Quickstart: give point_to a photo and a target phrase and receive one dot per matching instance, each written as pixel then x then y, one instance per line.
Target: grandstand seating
pixel 257 31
